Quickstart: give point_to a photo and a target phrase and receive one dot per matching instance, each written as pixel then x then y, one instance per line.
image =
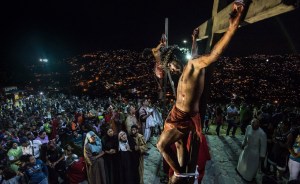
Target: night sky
pixel 62 29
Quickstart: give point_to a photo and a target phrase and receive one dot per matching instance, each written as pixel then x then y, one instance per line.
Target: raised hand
pixel 195 34
pixel 235 15
pixel 163 39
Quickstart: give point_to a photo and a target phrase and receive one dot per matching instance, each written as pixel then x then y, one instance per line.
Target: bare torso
pixel 190 87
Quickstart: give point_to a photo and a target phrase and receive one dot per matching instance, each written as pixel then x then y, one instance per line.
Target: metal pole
pixel 167 31
pixel 165 74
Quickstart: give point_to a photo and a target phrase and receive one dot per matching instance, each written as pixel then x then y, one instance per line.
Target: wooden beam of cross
pixel 258 10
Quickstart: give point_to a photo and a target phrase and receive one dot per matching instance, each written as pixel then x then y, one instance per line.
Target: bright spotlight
pixel 41 93
pixel 184 41
pixel 43 60
pixel 188 56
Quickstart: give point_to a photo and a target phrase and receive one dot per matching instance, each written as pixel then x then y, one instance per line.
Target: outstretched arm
pixel 156 50
pixel 224 41
pixel 157 55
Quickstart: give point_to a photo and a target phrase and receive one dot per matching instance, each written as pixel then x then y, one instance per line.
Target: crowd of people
pixel 68 139
pixel 271 137
pixel 54 138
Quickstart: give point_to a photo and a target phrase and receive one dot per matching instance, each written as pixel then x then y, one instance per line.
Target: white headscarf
pixel 123 145
pixel 95 147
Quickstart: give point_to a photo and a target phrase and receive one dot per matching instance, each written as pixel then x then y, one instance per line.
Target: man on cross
pixel 184 116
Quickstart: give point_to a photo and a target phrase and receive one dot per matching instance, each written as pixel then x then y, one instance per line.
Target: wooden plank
pixel 258 10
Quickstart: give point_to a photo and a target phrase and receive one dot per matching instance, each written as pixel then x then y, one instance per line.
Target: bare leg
pixel 182 153
pixel 167 138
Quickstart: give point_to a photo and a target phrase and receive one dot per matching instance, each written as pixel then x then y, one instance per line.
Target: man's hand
pixel 195 34
pixel 234 21
pixel 156 51
pixel 163 40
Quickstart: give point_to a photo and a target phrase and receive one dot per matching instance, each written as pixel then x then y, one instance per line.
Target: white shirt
pixel 33 147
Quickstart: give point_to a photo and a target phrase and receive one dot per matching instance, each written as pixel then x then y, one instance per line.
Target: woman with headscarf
pixel 110 146
pixel 93 155
pixel 128 169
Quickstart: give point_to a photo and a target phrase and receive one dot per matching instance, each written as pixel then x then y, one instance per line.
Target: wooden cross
pixel 211 31
pixel 258 10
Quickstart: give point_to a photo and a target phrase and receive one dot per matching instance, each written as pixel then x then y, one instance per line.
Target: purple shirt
pixel 45 140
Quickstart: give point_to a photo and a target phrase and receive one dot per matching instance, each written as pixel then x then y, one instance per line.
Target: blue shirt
pixel 37 172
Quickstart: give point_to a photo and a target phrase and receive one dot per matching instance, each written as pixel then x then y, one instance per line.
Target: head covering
pixel 123 146
pixel 120 134
pixel 95 147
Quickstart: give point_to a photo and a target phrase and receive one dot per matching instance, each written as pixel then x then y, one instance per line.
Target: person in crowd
pixel 117 119
pixel 206 123
pixel 218 119
pixel 35 144
pixel 47 127
pixel 34 170
pixel 110 117
pixel 110 147
pixel 8 176
pixel 232 114
pixel 144 114
pixel 254 150
pixel 139 151
pixel 128 170
pixel 93 155
pixel 278 156
pixel 98 125
pixel 77 139
pixel 245 116
pixel 158 120
pixel 294 160
pixel 131 118
pixel 28 148
pixel 14 154
pixel 43 137
pixel 74 125
pixel 292 143
pixel 68 150
pixel 55 160
pixel 185 117
pixel 76 170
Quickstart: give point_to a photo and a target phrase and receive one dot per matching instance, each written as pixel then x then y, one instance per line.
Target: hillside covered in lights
pixel 262 78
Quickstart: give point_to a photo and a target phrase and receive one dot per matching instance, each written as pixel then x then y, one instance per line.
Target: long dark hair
pixel 173 53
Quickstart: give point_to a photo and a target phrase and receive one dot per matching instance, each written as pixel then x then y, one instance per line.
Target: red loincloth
pixel 186 122
pixel 183 121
